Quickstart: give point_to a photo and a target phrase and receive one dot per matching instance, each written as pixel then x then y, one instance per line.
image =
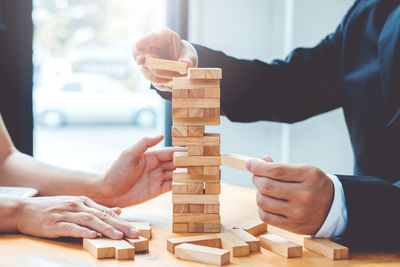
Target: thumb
pixel 267 159
pixel 145 143
pixel 189 62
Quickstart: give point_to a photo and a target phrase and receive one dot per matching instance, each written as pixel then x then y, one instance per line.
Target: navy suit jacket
pixel 357 68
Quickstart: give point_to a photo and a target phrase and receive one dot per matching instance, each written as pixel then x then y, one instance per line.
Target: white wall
pixel 261 29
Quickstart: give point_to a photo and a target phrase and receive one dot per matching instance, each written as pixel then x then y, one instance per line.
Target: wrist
pixel 11 212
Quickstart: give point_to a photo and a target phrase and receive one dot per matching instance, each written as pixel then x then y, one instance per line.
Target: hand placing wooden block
pixel 108 248
pixel 235 161
pixel 141 244
pixel 327 248
pixel 237 247
pixel 205 73
pixel 202 254
pixel 253 242
pixel 253 227
pixel 164 64
pixel 204 240
pixel 281 246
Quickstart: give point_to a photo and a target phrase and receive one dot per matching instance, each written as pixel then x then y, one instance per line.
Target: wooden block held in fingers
pixel 204 240
pixel 212 188
pixel 181 208
pixel 195 217
pixel 209 139
pixel 108 248
pixel 196 93
pixel 196 121
pixel 253 242
pixel 144 228
pixel 211 170
pixel 141 243
pixel 253 227
pixel 327 248
pixel 196 103
pixel 179 131
pixel 180 228
pixel 180 113
pixel 180 93
pixel 196 208
pixel 187 83
pixel 237 247
pixel 281 246
pixel 211 208
pixel 205 73
pixel 235 161
pixel 212 227
pixel 181 159
pixel 202 254
pixel 164 64
pixel 195 199
pixel 195 228
pixel 212 92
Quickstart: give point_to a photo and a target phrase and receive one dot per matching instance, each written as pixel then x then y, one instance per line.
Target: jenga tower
pixel 196 182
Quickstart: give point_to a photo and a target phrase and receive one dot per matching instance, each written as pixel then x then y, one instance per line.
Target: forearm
pixel 10 208
pixel 18 169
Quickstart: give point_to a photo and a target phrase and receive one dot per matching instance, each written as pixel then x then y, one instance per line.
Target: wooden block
pixel 235 161
pixel 179 227
pixel 180 208
pixel 211 151
pixel 108 248
pixel 180 93
pixel 181 159
pixel 196 93
pixel 253 227
pixel 327 248
pixel 212 92
pixel 211 112
pixel 179 188
pixel 180 113
pixel 197 121
pixel 195 228
pixel 195 103
pixel 253 242
pixel 202 254
pixel 195 218
pixel 196 208
pixel 181 175
pixel 195 199
pixel 195 131
pixel 211 208
pixel 205 73
pixel 209 139
pixel 141 243
pixel 164 64
pixel 179 131
pixel 196 112
pixel 144 228
pixel 195 171
pixel 211 170
pixel 212 227
pixel 204 240
pixel 186 83
pixel 281 246
pixel 212 188
pixel 195 150
pixel 237 247
pixel 187 188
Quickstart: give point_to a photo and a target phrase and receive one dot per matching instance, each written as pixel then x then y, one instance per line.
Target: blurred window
pixel 72 87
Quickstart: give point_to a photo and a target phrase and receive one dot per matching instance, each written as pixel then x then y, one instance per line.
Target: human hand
pixel 165 44
pixel 296 198
pixel 53 217
pixel 138 175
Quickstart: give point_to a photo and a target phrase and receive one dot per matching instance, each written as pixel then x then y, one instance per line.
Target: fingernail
pixel 133 233
pixel 91 234
pixel 116 234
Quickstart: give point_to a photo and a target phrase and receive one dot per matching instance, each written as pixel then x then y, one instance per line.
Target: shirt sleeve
pixel 336 221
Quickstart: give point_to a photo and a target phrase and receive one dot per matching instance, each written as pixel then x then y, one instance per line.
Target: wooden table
pixel 237 206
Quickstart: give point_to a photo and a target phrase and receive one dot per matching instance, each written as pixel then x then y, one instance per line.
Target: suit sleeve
pixel 373 216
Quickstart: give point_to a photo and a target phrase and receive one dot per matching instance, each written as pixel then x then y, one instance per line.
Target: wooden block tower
pixel 196 182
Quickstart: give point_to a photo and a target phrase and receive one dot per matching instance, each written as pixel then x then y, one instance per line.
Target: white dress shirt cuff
pixel 336 221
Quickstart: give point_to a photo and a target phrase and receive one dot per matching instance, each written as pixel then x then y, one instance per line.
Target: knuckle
pixel 307 197
pixel 298 215
pixel 277 171
pixel 108 228
pixel 267 186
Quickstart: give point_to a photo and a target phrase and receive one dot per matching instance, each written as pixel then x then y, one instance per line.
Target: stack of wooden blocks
pixel 196 182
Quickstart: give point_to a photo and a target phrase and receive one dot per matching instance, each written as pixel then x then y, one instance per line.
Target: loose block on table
pixel 202 254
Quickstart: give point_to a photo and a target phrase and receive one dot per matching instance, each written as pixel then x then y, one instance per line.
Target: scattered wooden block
pixel 209 139
pixel 196 121
pixel 181 159
pixel 196 103
pixel 205 73
pixel 187 188
pixel 141 243
pixel 195 199
pixel 211 208
pixel 196 208
pixel 253 227
pixel 179 227
pixel 327 248
pixel 164 64
pixel 281 246
pixel 195 131
pixel 211 170
pixel 108 248
pixel 195 228
pixel 253 242
pixel 181 175
pixel 196 92
pixel 235 161
pixel 195 218
pixel 180 208
pixel 179 131
pixel 180 113
pixel 144 228
pixel 204 240
pixel 212 92
pixel 237 247
pixel 187 83
pixel 212 188
pixel 202 254
pixel 180 93
pixel 212 227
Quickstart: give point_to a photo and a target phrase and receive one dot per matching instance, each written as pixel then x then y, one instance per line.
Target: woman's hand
pixel 138 175
pixel 53 217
